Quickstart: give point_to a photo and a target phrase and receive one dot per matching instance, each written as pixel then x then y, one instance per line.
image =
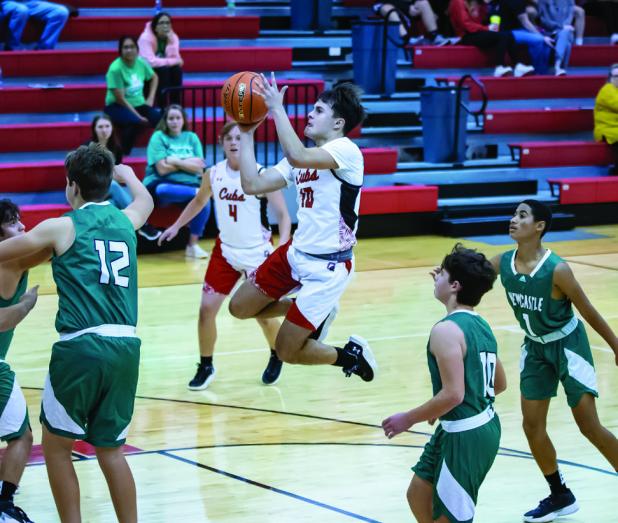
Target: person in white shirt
pixel 318 262
pixel 244 242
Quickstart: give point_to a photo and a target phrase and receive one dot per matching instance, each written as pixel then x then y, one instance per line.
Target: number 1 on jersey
pixel 488 362
pixel 117 265
pixel 234 211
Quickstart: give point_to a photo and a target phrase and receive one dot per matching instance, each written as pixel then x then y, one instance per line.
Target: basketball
pixel 240 101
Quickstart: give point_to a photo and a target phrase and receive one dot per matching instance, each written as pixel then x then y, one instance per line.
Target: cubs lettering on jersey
pixel 242 218
pixel 328 200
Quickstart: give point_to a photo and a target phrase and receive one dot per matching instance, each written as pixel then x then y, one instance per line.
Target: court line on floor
pixel 268 487
pixel 588 264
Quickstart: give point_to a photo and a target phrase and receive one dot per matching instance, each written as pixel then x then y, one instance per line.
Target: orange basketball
pixel 239 100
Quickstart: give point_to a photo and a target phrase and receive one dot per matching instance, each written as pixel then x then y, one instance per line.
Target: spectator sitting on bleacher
pixel 53 15
pixel 578 21
pixel 556 17
pixel 160 47
pixel 468 18
pixel 606 114
pixel 102 132
pixel 514 18
pixel 175 168
pixel 125 102
pixel 403 11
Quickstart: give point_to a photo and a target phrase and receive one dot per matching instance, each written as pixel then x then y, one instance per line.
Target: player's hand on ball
pixel 396 424
pixel 273 98
pixel 29 297
pixel 168 235
pixel 249 128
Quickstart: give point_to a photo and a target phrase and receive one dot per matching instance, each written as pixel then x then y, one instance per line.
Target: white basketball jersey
pixel 328 200
pixel 241 218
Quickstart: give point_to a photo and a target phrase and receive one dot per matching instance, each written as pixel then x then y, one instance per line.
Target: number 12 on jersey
pixel 103 247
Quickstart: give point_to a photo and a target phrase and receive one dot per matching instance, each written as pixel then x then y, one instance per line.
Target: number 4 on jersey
pixel 103 247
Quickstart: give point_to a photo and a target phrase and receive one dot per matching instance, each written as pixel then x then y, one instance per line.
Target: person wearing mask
pixel 160 47
pixel 125 102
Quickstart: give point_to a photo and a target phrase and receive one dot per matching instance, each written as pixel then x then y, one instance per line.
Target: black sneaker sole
pixel 367 354
pixel 204 385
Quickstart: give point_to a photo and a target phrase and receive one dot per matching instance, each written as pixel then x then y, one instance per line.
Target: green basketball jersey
pixel 479 365
pixel 529 295
pixel 7 336
pixel 97 276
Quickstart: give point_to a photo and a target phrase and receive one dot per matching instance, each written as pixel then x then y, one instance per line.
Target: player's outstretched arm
pixel 293 148
pixel 56 233
pixel 252 182
pixel 277 202
pixel 190 211
pixel 447 344
pixel 565 280
pixel 142 205
pixel 11 316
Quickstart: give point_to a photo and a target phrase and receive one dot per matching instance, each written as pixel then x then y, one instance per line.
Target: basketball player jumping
pixel 541 289
pixel 241 247
pixel 318 262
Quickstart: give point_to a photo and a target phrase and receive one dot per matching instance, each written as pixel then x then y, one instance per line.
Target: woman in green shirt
pixel 174 171
pixel 125 102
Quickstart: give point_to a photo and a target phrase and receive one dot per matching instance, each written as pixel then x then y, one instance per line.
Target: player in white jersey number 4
pixel 241 247
pixel 318 262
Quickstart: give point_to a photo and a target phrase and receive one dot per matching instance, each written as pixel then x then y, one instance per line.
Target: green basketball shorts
pixel 90 389
pixel 13 409
pixel 568 360
pixel 456 464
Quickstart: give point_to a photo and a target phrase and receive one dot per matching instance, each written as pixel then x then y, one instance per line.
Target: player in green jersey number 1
pixel 466 374
pixel 541 289
pixel 90 389
pixel 15 304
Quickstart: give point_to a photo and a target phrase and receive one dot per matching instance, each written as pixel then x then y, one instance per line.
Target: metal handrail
pixel 201 100
pixel 458 105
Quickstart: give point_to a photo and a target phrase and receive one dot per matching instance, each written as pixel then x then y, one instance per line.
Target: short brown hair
pixel 91 167
pixel 225 130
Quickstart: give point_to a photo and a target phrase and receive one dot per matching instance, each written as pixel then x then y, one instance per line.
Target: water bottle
pixel 231 7
pixel 157 6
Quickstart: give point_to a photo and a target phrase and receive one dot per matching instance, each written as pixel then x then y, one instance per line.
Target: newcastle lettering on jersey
pixel 532 303
pixel 307 176
pixel 235 197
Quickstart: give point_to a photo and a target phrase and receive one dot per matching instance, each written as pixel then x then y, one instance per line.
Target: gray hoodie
pixel 555 14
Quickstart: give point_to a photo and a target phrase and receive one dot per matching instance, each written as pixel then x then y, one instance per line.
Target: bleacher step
pixel 481 225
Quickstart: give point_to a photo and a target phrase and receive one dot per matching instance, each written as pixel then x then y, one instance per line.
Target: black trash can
pixel 438 114
pixel 374 51
pixel 307 15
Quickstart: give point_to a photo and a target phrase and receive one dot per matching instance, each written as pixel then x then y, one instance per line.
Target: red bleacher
pixel 511 88
pixel 563 153
pixel 93 61
pixel 89 97
pixel 89 28
pixel 593 189
pixel 399 199
pixel 463 56
pixel 506 121
pixel 50 175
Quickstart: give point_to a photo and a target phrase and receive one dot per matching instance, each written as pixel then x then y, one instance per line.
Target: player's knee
pixel 590 428
pixel 207 311
pixel 239 310
pixel 533 427
pixel 286 353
